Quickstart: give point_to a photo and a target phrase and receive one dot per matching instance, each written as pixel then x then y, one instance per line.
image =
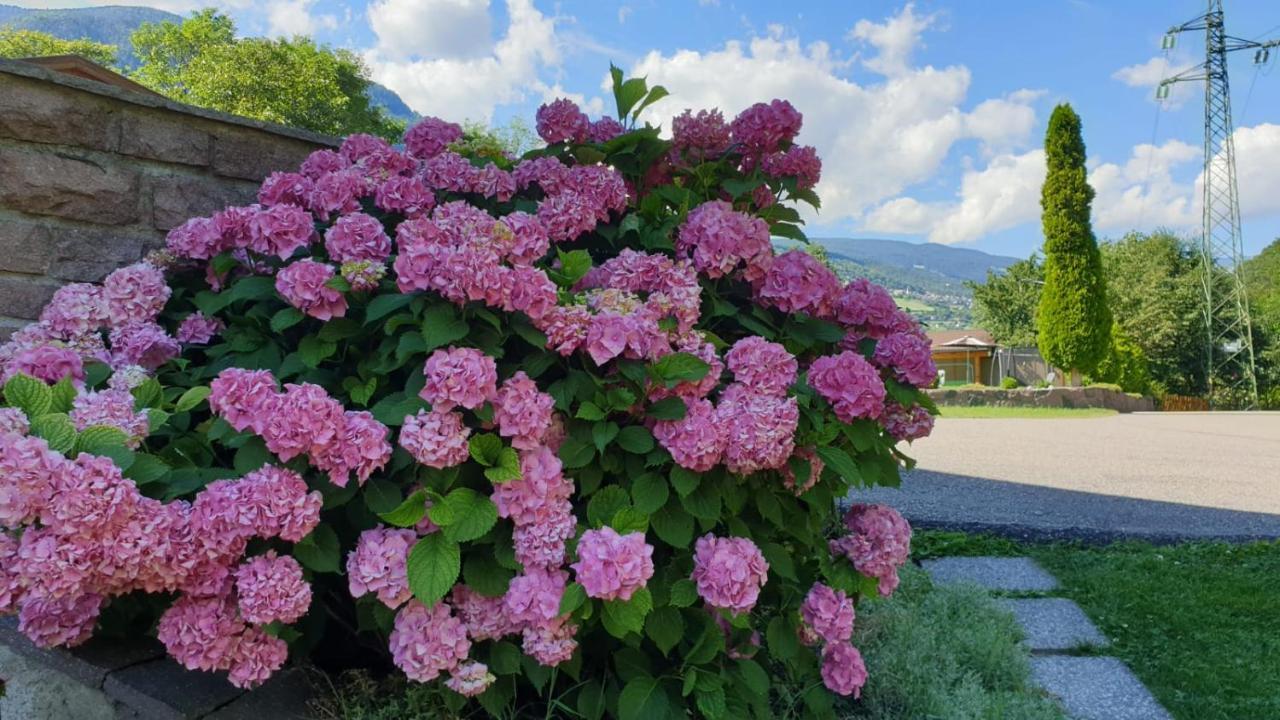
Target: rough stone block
pixel 992 573
pixel 1053 624
pixel 88 664
pixel 67 185
pixel 250 155
pixel 164 690
pixel 24 296
pixel 177 198
pixel 283 697
pixel 32 692
pixel 1096 688
pixel 43 113
pixel 25 247
pixel 164 137
pixel 9 326
pixel 87 255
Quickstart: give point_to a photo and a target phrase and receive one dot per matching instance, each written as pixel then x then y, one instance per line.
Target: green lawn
pixel 1197 622
pixel 986 412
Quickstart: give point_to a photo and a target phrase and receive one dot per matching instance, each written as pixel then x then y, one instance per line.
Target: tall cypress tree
pixel 1074 322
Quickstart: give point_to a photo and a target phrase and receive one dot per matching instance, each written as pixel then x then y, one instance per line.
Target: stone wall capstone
pixel 1063 397
pixel 92 177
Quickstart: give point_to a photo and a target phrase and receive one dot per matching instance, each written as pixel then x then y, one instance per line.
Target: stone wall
pixel 1079 397
pixel 92 176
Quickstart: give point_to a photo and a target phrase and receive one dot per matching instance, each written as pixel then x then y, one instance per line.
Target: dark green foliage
pixel 1125 364
pixel 288 81
pixel 1262 280
pixel 1005 305
pixel 1154 290
pixel 1074 322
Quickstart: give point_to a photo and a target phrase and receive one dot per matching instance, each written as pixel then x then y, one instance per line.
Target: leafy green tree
pixel 1005 305
pixel 1153 288
pixel 511 140
pixel 288 81
pixel 1262 281
pixel 1125 364
pixel 1073 322
pixel 32 43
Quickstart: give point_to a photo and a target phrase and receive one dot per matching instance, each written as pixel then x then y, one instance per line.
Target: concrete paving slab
pixel 1053 624
pixel 1096 688
pixel 993 573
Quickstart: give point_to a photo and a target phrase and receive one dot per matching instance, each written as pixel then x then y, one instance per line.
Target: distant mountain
pixel 943 260
pixel 110 24
pixel 392 103
pixel 926 278
pixel 113 24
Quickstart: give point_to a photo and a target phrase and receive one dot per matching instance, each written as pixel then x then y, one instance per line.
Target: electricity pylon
pixel 1229 351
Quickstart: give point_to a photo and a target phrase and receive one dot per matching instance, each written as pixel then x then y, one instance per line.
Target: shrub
pixel 1125 365
pixel 1010 383
pixel 506 444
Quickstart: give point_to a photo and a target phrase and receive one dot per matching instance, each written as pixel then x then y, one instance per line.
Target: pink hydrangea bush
pixel 571 406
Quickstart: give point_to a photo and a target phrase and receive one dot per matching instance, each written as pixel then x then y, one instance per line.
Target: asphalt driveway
pixel 1151 475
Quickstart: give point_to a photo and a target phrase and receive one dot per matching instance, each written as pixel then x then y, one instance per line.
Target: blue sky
pixel 928 116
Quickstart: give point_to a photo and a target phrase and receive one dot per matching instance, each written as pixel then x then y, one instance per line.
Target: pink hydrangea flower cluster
pixel 112 408
pixel 752 427
pixel 764 367
pixel 798 282
pixel 378 565
pixel 701 136
pixel 196 329
pixel 357 237
pixel 850 384
pixel 828 614
pixel 459 377
pixel 562 121
pixel 69 333
pixel 428 641
pixel 729 572
pixel 816 465
pixel 878 543
pixel 302 419
pixel 436 438
pixel 304 285
pixel 908 356
pixel 906 424
pixel 843 670
pixel 97 537
pixel 766 127
pixel 612 566
pixel 719 240
pixel 270 588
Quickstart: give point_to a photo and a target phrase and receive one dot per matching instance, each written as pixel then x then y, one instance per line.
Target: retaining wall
pixel 1085 397
pixel 92 176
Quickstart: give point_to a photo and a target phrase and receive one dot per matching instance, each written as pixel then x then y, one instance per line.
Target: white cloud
pixel 1143 192
pixel 1257 157
pixel 875 139
pixel 624 12
pixel 431 29
pixel 1147 75
pixel 294 17
pixel 470 87
pixel 1002 195
pixel 895 39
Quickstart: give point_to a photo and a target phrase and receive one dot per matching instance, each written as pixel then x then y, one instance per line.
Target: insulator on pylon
pixel 1168 41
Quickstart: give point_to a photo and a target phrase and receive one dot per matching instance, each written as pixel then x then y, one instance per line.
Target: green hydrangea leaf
pixel 433 567
pixel 28 394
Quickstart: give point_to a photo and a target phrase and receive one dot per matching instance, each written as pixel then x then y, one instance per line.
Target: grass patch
pixel 943 653
pixel 1037 413
pixel 1196 622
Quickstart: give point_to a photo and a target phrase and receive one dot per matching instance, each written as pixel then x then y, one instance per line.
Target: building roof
pixel 80 67
pixel 971 339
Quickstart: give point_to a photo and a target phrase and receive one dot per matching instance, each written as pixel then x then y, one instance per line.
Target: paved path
pixel 1158 476
pixel 1089 687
